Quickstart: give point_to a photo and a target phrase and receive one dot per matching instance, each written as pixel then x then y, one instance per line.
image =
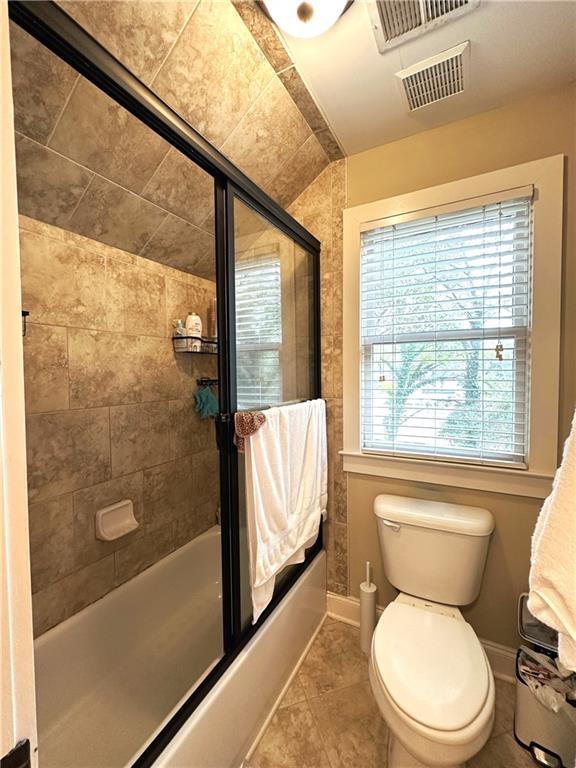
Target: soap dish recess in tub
pixel 116 521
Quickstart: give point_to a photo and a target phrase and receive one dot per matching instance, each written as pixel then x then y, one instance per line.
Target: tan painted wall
pixel 540 126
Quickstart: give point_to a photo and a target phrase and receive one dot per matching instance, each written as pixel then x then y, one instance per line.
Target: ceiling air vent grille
pixel 436 78
pixel 437 8
pixel 395 21
pixel 399 17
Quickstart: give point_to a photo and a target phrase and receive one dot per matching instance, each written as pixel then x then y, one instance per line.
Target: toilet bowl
pixel 433 684
pixel 429 673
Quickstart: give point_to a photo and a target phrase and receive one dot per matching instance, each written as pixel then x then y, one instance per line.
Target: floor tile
pixel 294 694
pixel 352 728
pixel 291 740
pixel 334 660
pixel 502 752
pixel 505 703
pixel 346 729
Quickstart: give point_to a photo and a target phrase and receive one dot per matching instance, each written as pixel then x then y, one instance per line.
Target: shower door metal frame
pixel 51 26
pixel 233 193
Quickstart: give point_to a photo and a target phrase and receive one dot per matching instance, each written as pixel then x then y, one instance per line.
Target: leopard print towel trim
pixel 246 423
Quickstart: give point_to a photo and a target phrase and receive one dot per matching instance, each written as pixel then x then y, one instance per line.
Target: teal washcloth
pixel 206 403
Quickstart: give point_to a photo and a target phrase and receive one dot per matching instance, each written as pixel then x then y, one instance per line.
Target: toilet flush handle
pixel 390 524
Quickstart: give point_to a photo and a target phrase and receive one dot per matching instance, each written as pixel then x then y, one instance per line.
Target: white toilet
pixel 429 673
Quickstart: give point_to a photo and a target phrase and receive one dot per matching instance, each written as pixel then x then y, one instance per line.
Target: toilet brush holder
pixel 367 612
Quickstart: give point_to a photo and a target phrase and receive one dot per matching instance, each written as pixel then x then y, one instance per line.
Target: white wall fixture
pixel 305 18
pixel 115 521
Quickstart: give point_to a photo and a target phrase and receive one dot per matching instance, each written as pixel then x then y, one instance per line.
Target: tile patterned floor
pixel 329 719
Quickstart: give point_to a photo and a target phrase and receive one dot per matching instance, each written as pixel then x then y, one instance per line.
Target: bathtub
pixel 110 675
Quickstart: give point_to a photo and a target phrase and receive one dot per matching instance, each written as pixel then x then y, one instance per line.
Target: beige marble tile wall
pixel 88 166
pixel 265 34
pixel 81 156
pixel 110 415
pixel 319 208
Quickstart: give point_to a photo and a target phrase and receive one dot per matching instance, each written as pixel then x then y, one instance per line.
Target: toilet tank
pixel 433 550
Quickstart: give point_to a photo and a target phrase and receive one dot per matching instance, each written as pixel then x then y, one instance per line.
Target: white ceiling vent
pixel 395 21
pixel 436 78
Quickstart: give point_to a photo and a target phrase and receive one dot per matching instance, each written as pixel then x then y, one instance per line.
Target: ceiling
pixel 516 47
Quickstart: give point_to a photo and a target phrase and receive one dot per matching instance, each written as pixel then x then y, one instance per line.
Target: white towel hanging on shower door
pixel 286 492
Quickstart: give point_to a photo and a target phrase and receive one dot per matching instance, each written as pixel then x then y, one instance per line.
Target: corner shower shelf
pixel 207 346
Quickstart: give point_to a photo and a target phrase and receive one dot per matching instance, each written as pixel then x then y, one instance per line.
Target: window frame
pixel 546 176
pixel 519 332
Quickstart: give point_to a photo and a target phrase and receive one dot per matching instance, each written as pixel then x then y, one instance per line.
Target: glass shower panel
pixel 275 335
pixel 117 243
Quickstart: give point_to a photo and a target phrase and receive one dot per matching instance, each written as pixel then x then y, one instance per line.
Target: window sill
pixel 516 482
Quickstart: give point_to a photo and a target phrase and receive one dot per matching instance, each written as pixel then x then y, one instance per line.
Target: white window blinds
pixel 445 319
pixel 258 333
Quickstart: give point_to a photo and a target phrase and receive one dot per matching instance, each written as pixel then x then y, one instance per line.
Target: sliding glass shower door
pixel 127 233
pixel 276 344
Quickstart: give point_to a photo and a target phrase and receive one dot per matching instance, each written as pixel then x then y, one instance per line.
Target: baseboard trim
pixel 501 658
pixel 346 609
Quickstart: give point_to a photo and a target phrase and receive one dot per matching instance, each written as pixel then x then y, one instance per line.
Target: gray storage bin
pixel 549 736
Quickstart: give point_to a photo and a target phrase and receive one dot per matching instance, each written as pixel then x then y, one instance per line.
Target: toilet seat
pixel 431 665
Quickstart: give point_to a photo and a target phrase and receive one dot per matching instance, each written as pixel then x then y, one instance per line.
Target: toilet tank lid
pixel 438 515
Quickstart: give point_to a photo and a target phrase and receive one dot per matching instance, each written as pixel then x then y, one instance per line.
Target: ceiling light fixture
pixel 305 18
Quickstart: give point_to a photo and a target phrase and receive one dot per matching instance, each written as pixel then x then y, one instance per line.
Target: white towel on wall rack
pixel 552 597
pixel 286 492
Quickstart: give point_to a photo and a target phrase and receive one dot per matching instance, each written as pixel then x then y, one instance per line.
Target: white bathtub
pixel 107 677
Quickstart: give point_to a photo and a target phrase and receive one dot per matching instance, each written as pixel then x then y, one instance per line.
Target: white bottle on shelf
pixel 194 328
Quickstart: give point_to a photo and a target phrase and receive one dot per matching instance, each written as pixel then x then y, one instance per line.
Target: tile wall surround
pixel 319 209
pixel 87 165
pixel 265 34
pixel 274 132
pixel 110 415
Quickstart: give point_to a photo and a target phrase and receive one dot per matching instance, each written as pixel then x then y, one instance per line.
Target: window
pixel 451 331
pixel 445 310
pixel 258 332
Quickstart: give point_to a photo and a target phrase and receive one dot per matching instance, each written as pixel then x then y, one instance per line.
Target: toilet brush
pixel 367 611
